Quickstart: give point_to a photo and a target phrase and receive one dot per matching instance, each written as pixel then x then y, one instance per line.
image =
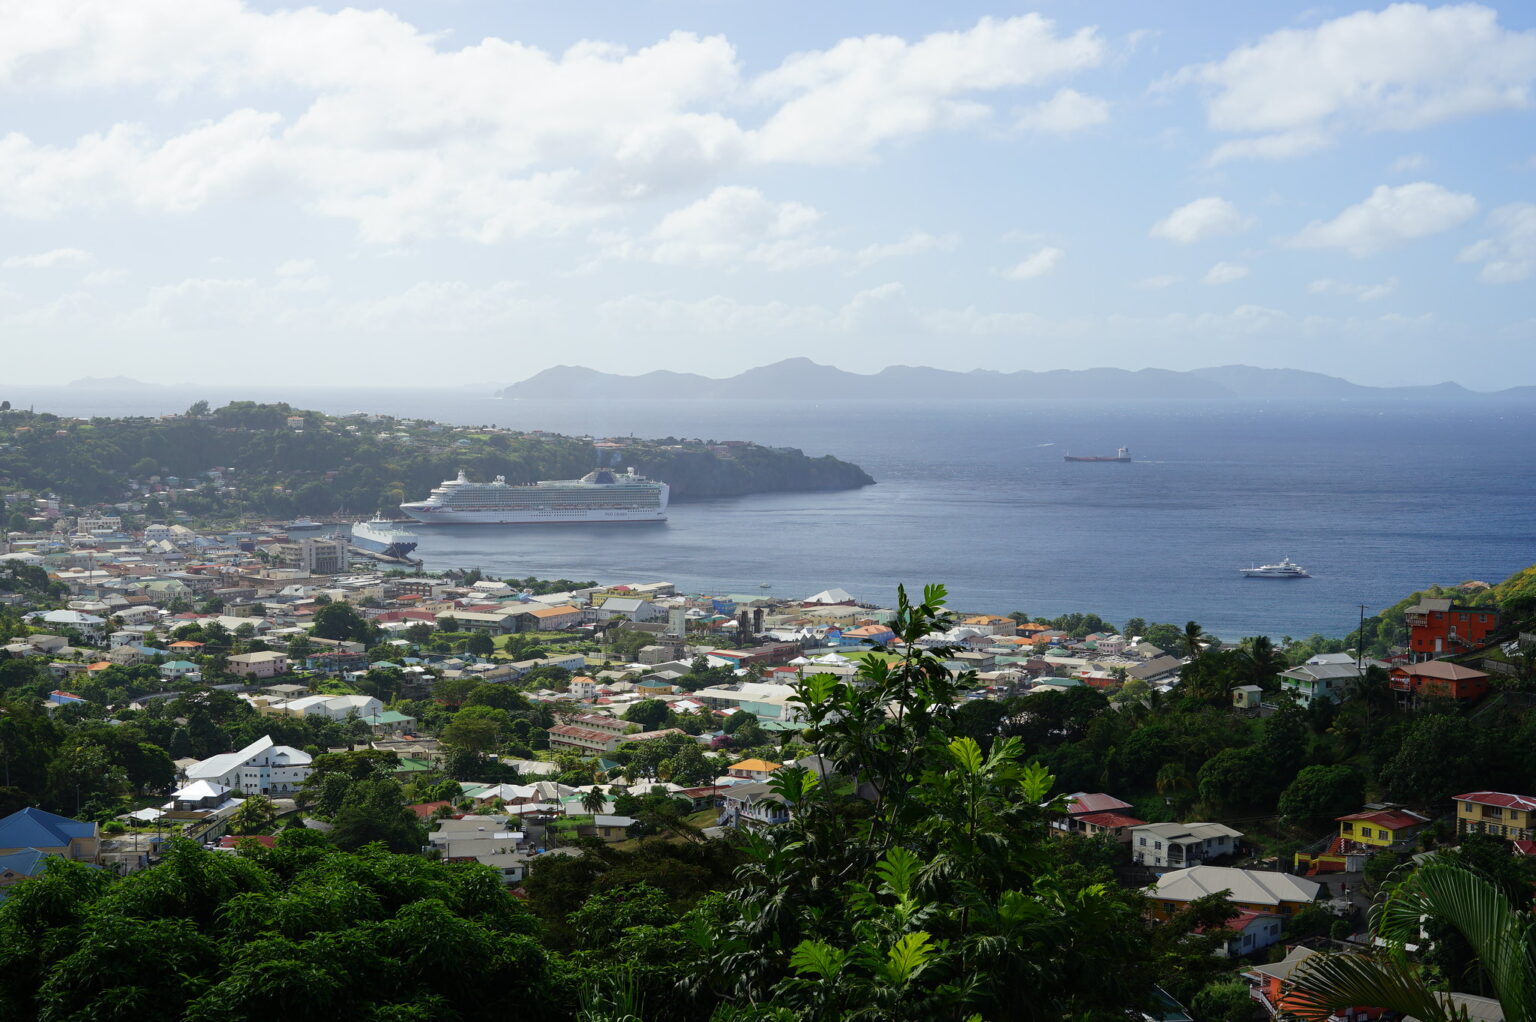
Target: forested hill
pixel 277 460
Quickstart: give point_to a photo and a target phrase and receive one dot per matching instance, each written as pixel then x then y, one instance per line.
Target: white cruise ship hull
pixel 530 516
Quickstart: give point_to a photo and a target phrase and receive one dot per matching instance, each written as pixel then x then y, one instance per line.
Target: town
pixel 232 687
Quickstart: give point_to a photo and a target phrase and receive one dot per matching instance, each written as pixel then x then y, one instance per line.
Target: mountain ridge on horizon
pixel 804 378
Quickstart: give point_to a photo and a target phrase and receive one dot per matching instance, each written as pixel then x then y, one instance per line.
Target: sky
pixel 464 192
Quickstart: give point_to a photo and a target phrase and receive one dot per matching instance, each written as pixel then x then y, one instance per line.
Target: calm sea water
pixel 1376 500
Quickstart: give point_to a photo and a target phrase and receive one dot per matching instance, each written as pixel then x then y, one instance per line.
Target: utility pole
pixel 1360 640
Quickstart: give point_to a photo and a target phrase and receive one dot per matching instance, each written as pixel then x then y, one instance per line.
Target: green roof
pixel 412 765
pixel 388 717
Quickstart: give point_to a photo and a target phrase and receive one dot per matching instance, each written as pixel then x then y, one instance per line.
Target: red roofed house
pixel 1439 627
pixel 1251 931
pixel 1081 804
pixel 1362 835
pixel 1437 679
pixel 1115 826
pixel 1497 813
pixel 426 810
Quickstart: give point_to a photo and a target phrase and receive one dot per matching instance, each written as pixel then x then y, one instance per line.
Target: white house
pixel 262 767
pixel 333 707
pixel 1251 931
pixel 1327 677
pixel 1181 844
pixel 88 625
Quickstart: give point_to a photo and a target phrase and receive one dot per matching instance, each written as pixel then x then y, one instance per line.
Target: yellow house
pixel 1496 813
pixel 1360 836
pixel 1381 828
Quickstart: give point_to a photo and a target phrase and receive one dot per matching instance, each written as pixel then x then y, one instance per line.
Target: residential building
pixel 317 555
pixel 612 828
pixel 263 767
pixel 176 670
pixel 17 866
pixel 751 805
pixel 554 619
pixel 1437 679
pixel 330 707
pixel 1497 813
pixel 1384 827
pixel 266 664
pixel 37 830
pixel 628 608
pixel 1274 985
pixel 585 740
pixel 1111 826
pixel 1178 845
pixel 1437 627
pixel 1081 804
pixel 1375 828
pixel 496 622
pixel 1251 931
pixel 1328 677
pixel 582 688
pixel 1249 890
pixel 753 769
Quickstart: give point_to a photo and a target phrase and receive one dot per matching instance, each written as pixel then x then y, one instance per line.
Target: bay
pixel 1376 499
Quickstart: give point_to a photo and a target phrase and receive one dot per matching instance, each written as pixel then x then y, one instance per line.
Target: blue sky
pixel 468 191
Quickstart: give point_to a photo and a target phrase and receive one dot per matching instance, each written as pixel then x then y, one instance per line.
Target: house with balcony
pixel 1438 627
pixel 1498 813
pixel 1177 845
pixel 752 805
pixel 1437 679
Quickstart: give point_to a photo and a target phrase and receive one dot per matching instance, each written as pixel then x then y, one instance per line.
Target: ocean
pixel 1375 499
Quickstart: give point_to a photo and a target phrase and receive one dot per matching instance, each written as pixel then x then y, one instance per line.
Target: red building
pixel 1439 627
pixel 1438 679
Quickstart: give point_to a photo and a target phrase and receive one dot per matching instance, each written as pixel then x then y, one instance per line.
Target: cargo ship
pixel 1123 454
pixel 603 495
pixel 383 537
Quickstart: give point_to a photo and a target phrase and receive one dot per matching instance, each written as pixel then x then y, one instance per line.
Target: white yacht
pixel 1285 569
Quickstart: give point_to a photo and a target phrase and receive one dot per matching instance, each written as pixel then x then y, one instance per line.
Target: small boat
pixel 303 525
pixel 1287 568
pixel 1122 455
pixel 765 585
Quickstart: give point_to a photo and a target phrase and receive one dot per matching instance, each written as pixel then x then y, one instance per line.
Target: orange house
pixel 1439 679
pixel 1439 627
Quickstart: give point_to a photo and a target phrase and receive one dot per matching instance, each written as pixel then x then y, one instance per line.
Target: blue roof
pixel 29 862
pixel 34 828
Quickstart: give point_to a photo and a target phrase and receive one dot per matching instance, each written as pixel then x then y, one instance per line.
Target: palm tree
pixel 1192 639
pixel 1261 660
pixel 1503 939
pixel 594 800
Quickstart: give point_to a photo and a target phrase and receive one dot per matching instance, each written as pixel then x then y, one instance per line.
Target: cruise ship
pixel 381 536
pixel 603 495
pixel 1285 569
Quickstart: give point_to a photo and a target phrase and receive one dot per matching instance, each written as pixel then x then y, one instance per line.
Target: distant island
pixel 803 379
pixel 275 460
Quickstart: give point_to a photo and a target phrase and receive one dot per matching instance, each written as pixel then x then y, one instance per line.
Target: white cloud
pixel 1158 281
pixel 734 224
pixel 1036 265
pixel 1225 273
pixel 1210 217
pixel 1361 292
pixel 383 125
pixel 1067 111
pixel 1389 216
pixel 913 244
pixel 294 268
pixel 1399 69
pixel 1411 161
pixel 839 104
pixel 47 260
pixel 1510 255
